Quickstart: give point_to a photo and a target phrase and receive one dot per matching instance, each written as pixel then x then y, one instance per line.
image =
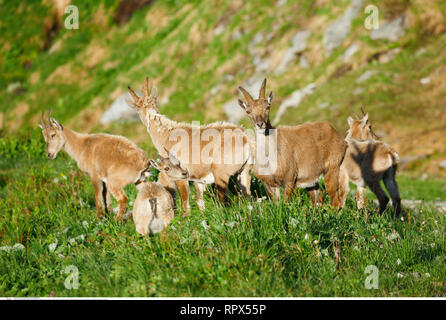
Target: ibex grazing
pixel 154 204
pixel 304 152
pixel 211 153
pixel 367 162
pixel 112 162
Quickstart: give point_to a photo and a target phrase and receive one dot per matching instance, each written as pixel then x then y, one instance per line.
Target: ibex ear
pixel 173 159
pixel 242 104
pixel 364 120
pixel 40 126
pixel 350 121
pixel 55 124
pixel 270 98
pixel 154 164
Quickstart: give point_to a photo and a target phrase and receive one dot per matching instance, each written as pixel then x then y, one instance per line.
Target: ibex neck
pixel 73 140
pixel 159 128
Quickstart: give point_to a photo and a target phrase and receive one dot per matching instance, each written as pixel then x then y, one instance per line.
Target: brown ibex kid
pixel 154 204
pixel 112 162
pixel 367 162
pixel 304 152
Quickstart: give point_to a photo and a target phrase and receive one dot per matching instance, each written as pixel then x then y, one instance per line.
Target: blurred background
pixel 320 59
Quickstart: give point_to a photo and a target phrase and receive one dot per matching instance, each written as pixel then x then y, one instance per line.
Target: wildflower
pixel 432 245
pixel 398 262
pixel 85 224
pixel 204 224
pixel 53 246
pixel 427 275
pixel 250 207
pixel 293 222
pixel 316 241
pixel 306 236
pixel 52 294
pixel 400 275
pixel 415 274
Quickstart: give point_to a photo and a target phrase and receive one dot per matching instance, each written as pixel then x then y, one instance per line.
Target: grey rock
pixel 358 90
pixel 350 52
pixel 339 29
pixel 442 164
pixel 236 35
pixel 392 30
pixel 420 52
pixel 219 29
pixel 304 62
pixel 388 56
pixel 298 45
pixel 280 3
pixel 366 76
pixel 408 159
pixel 120 109
pixel 425 81
pixel 293 101
pixel 233 111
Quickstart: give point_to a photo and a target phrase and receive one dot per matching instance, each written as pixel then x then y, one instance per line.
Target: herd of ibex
pixel 295 156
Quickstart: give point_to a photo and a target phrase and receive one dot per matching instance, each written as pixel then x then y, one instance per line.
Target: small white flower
pixel 293 222
pixel 56 180
pixel 316 241
pixel 61 256
pixel 356 248
pixel 400 275
pixel 250 207
pixel 16 247
pixel 231 224
pixel 432 245
pixel 204 224
pixel 306 236
pixel 85 224
pixel 53 246
pixel 398 262
pixel 415 274
pixel 427 275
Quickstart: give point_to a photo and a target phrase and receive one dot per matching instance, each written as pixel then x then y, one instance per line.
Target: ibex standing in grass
pixel 112 162
pixel 304 152
pixel 211 153
pixel 367 162
pixel 154 204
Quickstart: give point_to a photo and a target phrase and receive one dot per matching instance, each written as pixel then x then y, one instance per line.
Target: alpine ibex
pixel 112 162
pixel 154 204
pixel 211 153
pixel 304 152
pixel 367 162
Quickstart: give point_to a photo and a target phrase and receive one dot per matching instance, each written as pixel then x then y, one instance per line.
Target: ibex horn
pixel 133 94
pixel 262 90
pixel 246 94
pixel 145 89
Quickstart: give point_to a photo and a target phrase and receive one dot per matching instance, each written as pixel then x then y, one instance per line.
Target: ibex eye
pixel 166 168
pixel 53 135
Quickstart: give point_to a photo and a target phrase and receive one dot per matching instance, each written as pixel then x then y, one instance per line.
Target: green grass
pixel 246 249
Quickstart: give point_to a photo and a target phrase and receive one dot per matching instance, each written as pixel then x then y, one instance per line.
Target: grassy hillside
pixel 246 249
pixel 198 53
pixel 189 47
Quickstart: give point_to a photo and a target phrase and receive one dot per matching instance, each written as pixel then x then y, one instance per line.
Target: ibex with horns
pixel 304 152
pixel 368 162
pixel 112 162
pixel 211 153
